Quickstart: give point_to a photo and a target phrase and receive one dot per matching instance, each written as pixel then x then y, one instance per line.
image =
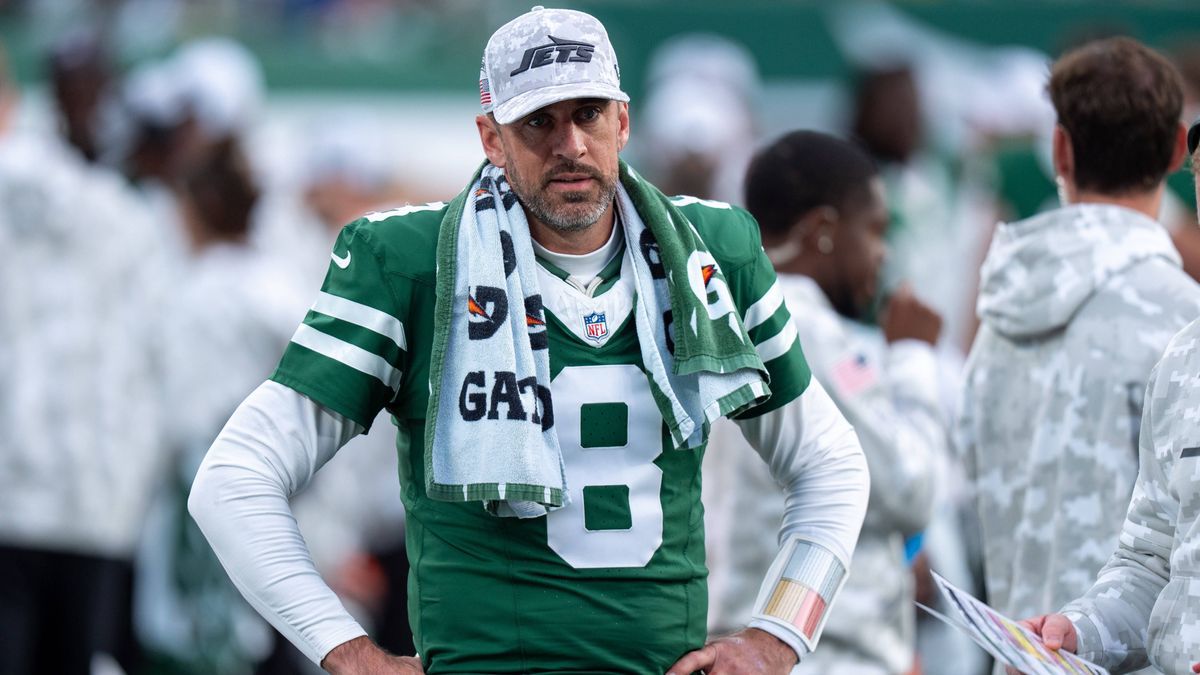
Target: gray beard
pixel 575 220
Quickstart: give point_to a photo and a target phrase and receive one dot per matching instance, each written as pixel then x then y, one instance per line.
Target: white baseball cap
pixel 543 57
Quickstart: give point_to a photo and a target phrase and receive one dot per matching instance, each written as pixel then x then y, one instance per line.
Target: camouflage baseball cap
pixel 543 57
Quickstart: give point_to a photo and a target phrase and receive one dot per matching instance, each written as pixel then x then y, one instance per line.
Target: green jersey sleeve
pixel 349 354
pixel 769 323
pixel 732 236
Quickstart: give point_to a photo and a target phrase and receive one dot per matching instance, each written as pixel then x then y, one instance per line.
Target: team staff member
pixel 821 206
pixel 553 345
pixel 1144 608
pixel 1076 305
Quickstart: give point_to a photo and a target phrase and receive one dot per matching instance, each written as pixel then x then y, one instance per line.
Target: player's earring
pixel 825 244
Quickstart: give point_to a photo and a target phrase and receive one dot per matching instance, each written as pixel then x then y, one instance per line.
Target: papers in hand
pixel 1005 639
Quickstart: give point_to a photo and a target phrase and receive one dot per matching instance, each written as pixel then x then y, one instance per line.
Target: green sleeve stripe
pixel 764 308
pixel 361 315
pixel 779 345
pixel 347 354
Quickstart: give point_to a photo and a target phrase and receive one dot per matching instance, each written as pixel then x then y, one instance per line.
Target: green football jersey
pixel 613 582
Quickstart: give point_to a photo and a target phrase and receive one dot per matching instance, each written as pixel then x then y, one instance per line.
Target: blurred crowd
pixel 159 280
pixel 156 267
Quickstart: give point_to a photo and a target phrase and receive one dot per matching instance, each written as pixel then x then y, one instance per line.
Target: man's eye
pixel 538 121
pixel 589 114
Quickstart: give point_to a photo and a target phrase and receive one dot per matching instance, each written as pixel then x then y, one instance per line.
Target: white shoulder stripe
pixel 361 315
pixel 686 200
pixel 778 345
pixel 347 354
pixel 765 308
pixel 403 211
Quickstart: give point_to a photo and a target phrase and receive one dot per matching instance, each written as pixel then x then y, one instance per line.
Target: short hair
pixel 1120 103
pixel 222 190
pixel 804 170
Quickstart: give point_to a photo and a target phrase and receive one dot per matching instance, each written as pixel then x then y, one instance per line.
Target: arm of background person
pixel 900 425
pixel 1112 619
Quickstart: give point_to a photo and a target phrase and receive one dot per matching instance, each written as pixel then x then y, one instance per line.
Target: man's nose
pixel 570 141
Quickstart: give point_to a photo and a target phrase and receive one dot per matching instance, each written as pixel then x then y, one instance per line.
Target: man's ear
pixel 1064 154
pixel 489 136
pixel 623 122
pixel 1179 152
pixel 816 223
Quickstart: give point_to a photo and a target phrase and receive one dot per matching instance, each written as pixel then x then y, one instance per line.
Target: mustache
pixel 568 167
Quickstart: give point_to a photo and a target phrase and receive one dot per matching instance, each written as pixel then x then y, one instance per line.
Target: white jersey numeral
pixel 612 467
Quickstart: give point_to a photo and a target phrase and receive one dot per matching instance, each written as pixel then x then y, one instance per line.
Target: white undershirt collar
pixel 584 268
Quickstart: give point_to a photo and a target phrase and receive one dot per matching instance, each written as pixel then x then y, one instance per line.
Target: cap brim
pixel 1194 136
pixel 522 104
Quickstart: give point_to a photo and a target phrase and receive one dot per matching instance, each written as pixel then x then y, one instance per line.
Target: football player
pixel 552 345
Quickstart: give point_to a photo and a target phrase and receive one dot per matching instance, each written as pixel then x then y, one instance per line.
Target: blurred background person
pixel 888 121
pixel 241 293
pixel 81 450
pixel 1179 202
pixel 823 213
pixel 82 76
pixel 342 172
pixel 1141 610
pixel 699 125
pixel 179 110
pixel 157 149
pixel 351 515
pixel 1076 306
pixel 232 313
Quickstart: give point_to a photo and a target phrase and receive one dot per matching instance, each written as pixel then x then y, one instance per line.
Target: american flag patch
pixel 485 92
pixel 853 374
pixel 810 580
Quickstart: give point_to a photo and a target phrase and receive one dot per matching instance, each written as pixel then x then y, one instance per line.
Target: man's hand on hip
pixel 1056 631
pixel 747 652
pixel 360 656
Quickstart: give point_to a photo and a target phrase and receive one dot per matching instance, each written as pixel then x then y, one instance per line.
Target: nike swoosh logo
pixel 340 262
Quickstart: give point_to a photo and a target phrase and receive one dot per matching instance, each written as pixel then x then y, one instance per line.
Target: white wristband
pixel 799 589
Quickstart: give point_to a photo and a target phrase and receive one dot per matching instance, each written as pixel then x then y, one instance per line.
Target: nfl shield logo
pixel 595 326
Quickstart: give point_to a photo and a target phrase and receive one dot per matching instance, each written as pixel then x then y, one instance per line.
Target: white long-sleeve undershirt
pixel 277 439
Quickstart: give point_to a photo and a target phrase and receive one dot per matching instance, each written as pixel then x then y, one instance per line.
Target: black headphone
pixel 1194 136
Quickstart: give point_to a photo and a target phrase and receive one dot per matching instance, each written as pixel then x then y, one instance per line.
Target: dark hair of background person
pixel 1120 103
pixel 802 171
pixel 222 191
pixel 80 69
pixel 887 113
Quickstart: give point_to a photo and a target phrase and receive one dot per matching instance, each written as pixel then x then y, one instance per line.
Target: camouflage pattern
pixel 80 297
pixel 1145 605
pixel 890 396
pixel 1076 305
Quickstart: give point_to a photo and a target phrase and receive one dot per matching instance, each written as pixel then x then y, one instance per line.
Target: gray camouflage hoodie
pixel 1076 305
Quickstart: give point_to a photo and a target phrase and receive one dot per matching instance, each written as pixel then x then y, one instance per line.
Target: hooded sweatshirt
pixel 80 450
pixel 1076 305
pixel 1142 608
